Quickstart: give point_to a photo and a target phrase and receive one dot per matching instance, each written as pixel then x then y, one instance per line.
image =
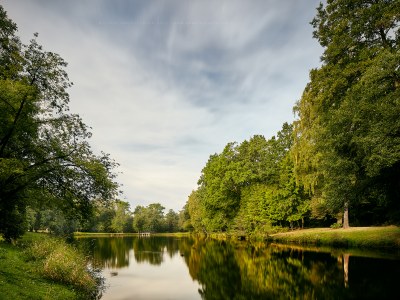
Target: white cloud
pixel 164 84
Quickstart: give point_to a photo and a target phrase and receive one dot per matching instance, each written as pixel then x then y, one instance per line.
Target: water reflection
pixel 225 270
pixel 258 272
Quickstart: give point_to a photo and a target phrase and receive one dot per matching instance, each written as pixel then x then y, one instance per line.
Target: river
pixel 190 268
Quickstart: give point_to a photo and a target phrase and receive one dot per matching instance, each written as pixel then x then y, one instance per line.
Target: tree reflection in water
pixel 108 252
pixel 226 270
pixel 245 271
pixel 152 249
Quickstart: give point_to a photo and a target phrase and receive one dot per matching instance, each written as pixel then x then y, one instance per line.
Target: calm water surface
pixel 189 268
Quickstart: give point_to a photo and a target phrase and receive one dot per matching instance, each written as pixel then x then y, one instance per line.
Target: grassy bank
pixel 358 237
pixel 41 267
pixel 105 234
pixel 102 234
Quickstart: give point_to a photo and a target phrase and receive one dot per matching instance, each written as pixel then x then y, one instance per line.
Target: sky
pixel 165 84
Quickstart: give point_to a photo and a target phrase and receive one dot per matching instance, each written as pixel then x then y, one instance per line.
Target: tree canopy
pixel 348 135
pixel 342 155
pixel 249 186
pixel 45 157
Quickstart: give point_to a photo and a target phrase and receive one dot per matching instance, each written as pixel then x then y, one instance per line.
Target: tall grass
pixel 63 263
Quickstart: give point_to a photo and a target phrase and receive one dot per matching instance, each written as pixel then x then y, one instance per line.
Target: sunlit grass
pixel 369 237
pixel 40 267
pixel 61 262
pixel 20 279
pixel 105 234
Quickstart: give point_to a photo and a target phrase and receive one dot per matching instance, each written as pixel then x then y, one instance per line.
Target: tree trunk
pixel 346 215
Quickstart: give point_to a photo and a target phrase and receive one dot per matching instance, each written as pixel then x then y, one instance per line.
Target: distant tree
pixel 196 210
pixel 139 219
pixel 122 217
pixel 184 223
pixel 155 217
pixel 44 154
pixel 101 219
pixel 150 218
pixel 171 221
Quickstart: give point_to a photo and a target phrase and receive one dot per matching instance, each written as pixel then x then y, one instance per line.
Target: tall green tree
pixel 121 221
pixel 220 189
pixel 155 217
pixel 171 221
pixel 139 219
pixel 150 218
pixel 45 156
pixel 249 187
pixel 196 210
pixel 184 219
pixel 347 149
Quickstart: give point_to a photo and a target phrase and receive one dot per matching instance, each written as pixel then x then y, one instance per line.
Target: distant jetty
pixel 144 233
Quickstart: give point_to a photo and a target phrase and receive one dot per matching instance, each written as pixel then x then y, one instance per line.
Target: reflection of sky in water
pixel 170 280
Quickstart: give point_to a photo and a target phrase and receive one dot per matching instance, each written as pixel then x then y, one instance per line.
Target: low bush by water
pixel 46 268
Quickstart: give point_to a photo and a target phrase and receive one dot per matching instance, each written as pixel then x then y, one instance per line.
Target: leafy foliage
pixel 249 187
pixel 347 150
pixel 152 219
pixel 45 159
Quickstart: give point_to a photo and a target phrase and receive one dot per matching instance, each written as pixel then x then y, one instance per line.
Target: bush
pixel 336 226
pixel 39 250
pixel 63 263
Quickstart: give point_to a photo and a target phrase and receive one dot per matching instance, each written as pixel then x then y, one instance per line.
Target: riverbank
pixel 105 234
pixel 42 267
pixel 355 237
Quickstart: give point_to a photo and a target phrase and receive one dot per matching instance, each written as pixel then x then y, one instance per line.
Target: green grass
pixel 172 234
pixel 40 267
pixel 359 237
pixel 101 234
pixel 105 234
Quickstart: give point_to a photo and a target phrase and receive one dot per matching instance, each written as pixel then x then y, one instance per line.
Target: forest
pixel 338 163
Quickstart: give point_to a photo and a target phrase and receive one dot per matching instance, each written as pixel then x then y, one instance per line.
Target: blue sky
pixel 165 84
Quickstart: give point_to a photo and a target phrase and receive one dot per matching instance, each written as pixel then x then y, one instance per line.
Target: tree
pixel 155 217
pixel 44 154
pixel 139 219
pixel 249 187
pixel 150 218
pixel 220 189
pixel 102 218
pixel 122 217
pixel 348 135
pixel 184 223
pixel 196 210
pixel 171 221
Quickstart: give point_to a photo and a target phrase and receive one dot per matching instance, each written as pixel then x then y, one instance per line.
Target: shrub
pixel 39 250
pixel 336 226
pixel 63 263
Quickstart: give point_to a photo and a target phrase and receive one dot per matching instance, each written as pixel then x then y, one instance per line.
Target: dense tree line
pixel 113 217
pixel 340 157
pixel 250 187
